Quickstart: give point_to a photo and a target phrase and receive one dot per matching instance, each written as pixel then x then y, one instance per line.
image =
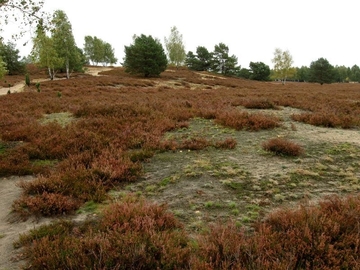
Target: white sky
pixel 252 29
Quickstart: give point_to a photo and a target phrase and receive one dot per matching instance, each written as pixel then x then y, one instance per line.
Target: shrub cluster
pixel 281 146
pixel 129 235
pixel 259 103
pixel 241 120
pixel 139 235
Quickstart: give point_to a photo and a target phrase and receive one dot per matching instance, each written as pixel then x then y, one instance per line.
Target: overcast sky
pixel 252 29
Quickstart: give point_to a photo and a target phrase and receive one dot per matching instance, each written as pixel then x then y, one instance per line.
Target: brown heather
pixel 120 121
pixel 281 146
pixel 134 234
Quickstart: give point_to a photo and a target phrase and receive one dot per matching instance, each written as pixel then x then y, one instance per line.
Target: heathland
pixel 189 170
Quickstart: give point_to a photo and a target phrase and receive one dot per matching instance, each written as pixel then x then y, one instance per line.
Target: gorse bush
pixel 281 146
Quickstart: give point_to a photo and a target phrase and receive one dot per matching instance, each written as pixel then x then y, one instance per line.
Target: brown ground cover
pixel 193 141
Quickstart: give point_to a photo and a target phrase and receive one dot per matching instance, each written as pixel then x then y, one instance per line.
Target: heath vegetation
pixel 181 165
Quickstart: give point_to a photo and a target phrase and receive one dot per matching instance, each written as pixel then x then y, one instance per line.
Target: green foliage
pixel 244 73
pixel 64 42
pixel 321 71
pixel 38 87
pixel 175 47
pixel 201 61
pixel 218 61
pixel 222 62
pixel 10 55
pixel 27 79
pixel 3 69
pixel 303 74
pixel 98 51
pixel 355 73
pixel 282 63
pixel 259 71
pixel 44 53
pixel 145 56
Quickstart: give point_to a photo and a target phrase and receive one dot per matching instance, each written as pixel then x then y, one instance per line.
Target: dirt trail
pixel 19 87
pixel 9 231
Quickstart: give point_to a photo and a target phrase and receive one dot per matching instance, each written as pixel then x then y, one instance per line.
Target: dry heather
pixel 192 141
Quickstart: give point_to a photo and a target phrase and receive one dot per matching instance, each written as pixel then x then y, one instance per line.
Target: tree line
pixel 54 48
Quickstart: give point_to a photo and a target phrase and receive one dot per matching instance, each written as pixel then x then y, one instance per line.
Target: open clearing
pixel 208 185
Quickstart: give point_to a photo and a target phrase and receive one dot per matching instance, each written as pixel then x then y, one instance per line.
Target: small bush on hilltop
pixel 281 146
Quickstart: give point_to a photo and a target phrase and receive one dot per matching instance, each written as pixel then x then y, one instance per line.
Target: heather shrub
pixel 325 119
pixel 228 143
pixel 323 236
pixel 281 146
pixel 240 120
pixel 313 237
pixel 45 204
pixel 129 235
pixel 259 103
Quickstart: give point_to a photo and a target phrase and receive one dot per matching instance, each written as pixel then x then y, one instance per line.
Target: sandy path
pixel 9 231
pixel 19 87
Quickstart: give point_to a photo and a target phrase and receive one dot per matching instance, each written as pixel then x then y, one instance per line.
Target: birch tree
pixel 175 47
pixel 64 42
pixel 282 63
pixel 44 53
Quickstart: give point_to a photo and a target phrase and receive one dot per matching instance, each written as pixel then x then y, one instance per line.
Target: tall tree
pixel 219 58
pixel 64 42
pixel 222 62
pixel 282 63
pixel 201 61
pixel 321 71
pixel 175 47
pixel 145 56
pixel 342 74
pixel 11 57
pixel 24 13
pixel 109 54
pixel 259 71
pixel 303 74
pixel 44 53
pixel 98 51
pixel 355 73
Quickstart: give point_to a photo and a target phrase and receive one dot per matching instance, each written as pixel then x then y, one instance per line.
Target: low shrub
pixel 281 146
pixel 240 120
pixel 129 235
pixel 228 143
pixel 259 103
pixel 325 119
pixel 45 204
